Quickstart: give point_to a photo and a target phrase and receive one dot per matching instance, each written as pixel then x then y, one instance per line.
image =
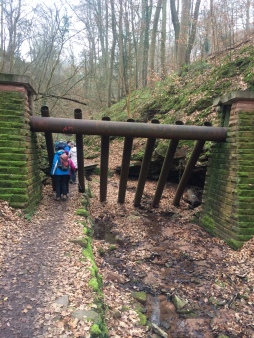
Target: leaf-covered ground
pixel 162 252
pixel 44 279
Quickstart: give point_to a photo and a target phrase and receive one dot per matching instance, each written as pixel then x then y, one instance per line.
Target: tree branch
pixel 60 97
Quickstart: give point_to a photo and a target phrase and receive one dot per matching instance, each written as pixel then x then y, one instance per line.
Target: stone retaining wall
pixel 20 182
pixel 228 196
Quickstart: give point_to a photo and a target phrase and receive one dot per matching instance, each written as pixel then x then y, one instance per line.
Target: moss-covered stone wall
pixel 228 197
pixel 20 182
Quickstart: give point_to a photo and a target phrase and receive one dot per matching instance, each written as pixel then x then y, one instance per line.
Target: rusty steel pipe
pixel 104 164
pixel 80 154
pixel 198 148
pixel 49 145
pixel 48 136
pixel 144 168
pixel 165 169
pixel 147 130
pixel 126 158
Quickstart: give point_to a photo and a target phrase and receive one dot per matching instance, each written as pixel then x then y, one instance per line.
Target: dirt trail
pixel 39 265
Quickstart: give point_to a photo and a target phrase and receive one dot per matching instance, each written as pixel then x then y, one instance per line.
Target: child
pixel 73 156
pixel 72 168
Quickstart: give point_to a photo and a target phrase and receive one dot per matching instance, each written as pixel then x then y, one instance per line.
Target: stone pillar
pixel 20 182
pixel 228 197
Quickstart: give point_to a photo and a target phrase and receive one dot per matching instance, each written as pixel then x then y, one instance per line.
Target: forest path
pixel 41 268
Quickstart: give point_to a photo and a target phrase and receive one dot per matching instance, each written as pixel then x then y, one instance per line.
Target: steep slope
pixel 189 97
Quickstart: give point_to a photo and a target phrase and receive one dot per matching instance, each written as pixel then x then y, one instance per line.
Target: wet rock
pixel 179 302
pixel 139 296
pixel 159 331
pixel 191 196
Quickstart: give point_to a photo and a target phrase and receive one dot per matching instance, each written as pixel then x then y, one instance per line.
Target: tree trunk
pixel 112 54
pixel 183 36
pixel 154 35
pixel 146 18
pixel 163 39
pixel 192 35
pixel 176 24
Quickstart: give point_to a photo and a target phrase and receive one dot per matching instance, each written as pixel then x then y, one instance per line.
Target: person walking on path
pixel 73 157
pixel 72 169
pixel 68 147
pixel 60 171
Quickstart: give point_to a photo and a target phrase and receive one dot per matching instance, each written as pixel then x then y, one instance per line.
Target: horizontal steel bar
pixel 110 128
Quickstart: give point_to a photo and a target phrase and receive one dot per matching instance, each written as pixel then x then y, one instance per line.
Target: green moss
pixel 82 212
pixel 95 331
pixel 93 283
pixel 94 270
pixel 234 244
pixel 142 319
pixel 88 252
pixel 139 296
pixel 138 156
pixel 208 223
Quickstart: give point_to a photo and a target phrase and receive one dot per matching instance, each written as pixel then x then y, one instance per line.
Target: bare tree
pixel 154 35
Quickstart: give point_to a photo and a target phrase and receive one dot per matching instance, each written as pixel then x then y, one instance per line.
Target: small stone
pixel 85 314
pixel 117 314
pixel 168 265
pixel 79 241
pixel 139 296
pixel 179 302
pixel 63 301
pixel 165 325
pixel 159 331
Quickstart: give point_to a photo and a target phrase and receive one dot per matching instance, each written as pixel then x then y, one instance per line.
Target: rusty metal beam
pixel 165 169
pixel 144 168
pixel 128 142
pixel 198 148
pixel 48 136
pixel 49 144
pixel 104 164
pixel 147 130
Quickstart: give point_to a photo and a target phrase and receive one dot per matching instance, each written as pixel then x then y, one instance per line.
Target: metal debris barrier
pixel 129 130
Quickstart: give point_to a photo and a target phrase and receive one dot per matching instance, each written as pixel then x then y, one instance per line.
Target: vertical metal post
pixel 165 169
pixel 49 143
pixel 48 137
pixel 80 154
pixel 144 168
pixel 189 168
pixel 104 164
pixel 128 141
